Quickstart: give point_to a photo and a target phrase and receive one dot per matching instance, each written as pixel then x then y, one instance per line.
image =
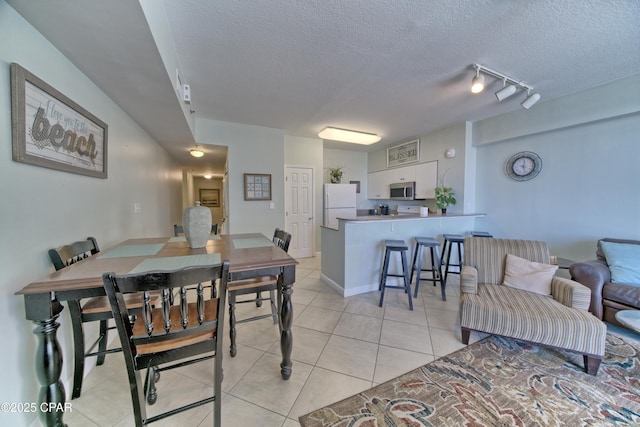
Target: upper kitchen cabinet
pixel 426 176
pixel 403 174
pixel 378 185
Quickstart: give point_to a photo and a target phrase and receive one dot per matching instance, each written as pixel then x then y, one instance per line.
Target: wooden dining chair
pixel 256 286
pixel 95 309
pixel 177 229
pixel 171 335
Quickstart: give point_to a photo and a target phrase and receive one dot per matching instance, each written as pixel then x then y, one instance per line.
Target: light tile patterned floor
pixel 341 347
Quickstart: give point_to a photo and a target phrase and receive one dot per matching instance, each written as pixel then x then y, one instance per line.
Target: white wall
pixel 589 186
pixel 308 152
pixel 354 165
pixel 252 149
pixel 43 208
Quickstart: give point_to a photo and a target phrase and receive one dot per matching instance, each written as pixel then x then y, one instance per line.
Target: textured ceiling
pixel 398 68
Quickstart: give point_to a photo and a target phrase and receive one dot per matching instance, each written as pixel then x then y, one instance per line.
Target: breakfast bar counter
pixel 352 254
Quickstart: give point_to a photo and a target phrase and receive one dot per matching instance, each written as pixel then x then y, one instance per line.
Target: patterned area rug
pixel 500 382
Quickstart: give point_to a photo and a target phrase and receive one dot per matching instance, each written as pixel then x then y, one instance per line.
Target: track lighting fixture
pixel 506 91
pixel 532 98
pixel 509 85
pixel 477 84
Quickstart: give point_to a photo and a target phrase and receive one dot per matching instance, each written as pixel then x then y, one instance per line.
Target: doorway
pixel 299 196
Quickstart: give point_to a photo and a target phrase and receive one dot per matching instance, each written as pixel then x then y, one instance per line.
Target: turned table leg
pixel 48 367
pixel 285 287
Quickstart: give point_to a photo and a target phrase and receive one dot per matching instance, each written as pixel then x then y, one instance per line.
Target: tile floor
pixel 341 347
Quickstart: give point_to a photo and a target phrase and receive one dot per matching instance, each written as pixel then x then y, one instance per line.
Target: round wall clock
pixel 524 166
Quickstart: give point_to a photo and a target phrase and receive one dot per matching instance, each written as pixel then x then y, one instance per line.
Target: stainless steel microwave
pixel 402 190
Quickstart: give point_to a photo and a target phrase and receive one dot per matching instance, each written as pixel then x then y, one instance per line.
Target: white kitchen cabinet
pixel 426 180
pixel 378 185
pixel 403 174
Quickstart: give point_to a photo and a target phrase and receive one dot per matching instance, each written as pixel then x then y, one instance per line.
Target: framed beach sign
pixel 52 131
pixel 406 152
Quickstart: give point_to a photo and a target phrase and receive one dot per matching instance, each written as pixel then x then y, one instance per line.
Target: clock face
pixel 523 166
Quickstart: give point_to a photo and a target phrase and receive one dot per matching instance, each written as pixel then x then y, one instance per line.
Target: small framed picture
pixel 210 197
pixel 257 186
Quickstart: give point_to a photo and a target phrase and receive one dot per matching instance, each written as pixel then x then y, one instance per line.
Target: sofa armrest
pixel 469 280
pixel 570 293
pixel 592 274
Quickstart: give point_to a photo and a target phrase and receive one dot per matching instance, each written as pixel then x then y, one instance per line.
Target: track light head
pixel 477 84
pixel 531 100
pixel 505 92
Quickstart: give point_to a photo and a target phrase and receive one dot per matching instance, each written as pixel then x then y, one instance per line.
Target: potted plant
pixel 335 174
pixel 445 197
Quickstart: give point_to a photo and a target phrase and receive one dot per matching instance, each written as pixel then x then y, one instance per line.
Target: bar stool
pixel 401 247
pixel 449 240
pixel 436 264
pixel 480 234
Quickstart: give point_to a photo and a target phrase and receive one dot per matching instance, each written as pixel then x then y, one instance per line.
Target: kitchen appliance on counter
pixel 384 209
pixel 402 190
pixel 408 210
pixel 339 202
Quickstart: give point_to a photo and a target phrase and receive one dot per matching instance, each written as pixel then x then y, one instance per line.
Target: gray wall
pixel 589 186
pixel 42 208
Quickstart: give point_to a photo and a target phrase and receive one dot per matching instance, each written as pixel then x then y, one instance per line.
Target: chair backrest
pixel 177 229
pixel 191 323
pixel 282 239
pixel 488 255
pixel 69 254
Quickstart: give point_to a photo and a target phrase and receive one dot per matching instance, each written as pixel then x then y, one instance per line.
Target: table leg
pixel 48 365
pixel 285 287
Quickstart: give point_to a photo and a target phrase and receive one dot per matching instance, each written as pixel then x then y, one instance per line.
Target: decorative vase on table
pixel 196 221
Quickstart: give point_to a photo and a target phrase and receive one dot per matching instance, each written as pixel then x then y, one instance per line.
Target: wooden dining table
pixel 249 255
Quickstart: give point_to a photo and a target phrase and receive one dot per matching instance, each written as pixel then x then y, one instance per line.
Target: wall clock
pixel 524 166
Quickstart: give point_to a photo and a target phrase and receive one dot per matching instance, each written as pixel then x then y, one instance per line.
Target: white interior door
pixel 299 211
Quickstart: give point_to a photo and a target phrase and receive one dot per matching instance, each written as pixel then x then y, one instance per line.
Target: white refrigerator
pixel 339 202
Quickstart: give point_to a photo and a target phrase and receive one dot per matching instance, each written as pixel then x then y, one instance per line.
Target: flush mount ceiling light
pixel 345 135
pixel 196 152
pixel 509 85
pixel 208 176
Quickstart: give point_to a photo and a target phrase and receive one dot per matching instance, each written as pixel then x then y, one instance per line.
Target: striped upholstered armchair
pixel 508 288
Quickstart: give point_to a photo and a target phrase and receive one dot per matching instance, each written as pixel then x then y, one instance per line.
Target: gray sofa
pixel 607 298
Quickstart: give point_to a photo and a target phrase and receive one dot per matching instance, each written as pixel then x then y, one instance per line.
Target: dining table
pixel 249 255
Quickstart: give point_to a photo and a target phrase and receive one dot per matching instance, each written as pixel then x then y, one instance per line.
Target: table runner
pixel 174 263
pixel 252 242
pixel 133 250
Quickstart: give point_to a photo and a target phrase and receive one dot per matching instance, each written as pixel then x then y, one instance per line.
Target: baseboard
pixel 351 291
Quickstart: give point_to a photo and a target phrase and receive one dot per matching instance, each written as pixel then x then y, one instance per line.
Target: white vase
pixel 196 222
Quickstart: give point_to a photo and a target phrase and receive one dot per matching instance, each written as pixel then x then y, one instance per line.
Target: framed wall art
pixel 407 152
pixel 210 197
pixel 257 186
pixel 52 131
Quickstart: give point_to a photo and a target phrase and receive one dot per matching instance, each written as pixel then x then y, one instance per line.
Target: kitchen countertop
pixel 395 217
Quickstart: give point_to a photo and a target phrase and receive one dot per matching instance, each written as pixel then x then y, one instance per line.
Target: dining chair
pixel 170 335
pixel 256 286
pixel 94 309
pixel 177 229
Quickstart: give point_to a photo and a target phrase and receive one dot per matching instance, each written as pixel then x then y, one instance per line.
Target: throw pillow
pixel 527 275
pixel 623 260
